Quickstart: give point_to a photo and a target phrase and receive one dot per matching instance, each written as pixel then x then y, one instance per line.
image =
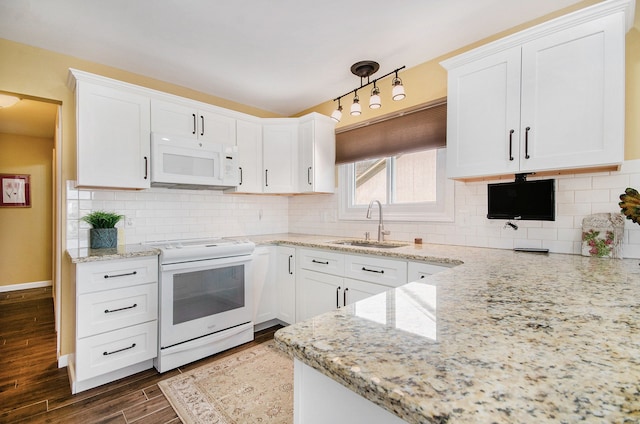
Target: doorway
pixel 30 247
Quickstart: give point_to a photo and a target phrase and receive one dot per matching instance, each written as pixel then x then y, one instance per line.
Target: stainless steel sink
pixel 370 243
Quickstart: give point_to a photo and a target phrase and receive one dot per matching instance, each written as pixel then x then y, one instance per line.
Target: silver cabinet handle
pixel 309 175
pixel 240 175
pixel 266 178
pixel 194 123
pixel 526 142
pixel 202 129
pixel 146 167
pixel 290 257
pixel 320 262
pixel 344 296
pixel 338 297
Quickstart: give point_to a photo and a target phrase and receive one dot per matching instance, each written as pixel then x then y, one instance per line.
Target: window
pixel 410 186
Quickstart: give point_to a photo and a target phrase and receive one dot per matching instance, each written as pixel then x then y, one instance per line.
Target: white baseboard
pixel 24 286
pixel 63 361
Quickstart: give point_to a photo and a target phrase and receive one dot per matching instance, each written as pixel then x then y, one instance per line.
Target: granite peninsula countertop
pixel 505 337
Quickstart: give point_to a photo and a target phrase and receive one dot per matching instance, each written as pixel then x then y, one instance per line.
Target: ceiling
pixel 282 56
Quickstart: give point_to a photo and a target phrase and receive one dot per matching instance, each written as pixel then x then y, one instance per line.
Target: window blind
pixel 422 128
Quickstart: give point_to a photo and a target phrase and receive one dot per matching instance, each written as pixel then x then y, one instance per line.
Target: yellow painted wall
pixel 428 81
pixel 25 233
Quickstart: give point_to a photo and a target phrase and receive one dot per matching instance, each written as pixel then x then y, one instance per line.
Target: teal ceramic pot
pixel 103 238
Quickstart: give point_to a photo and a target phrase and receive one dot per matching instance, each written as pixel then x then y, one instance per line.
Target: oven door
pixel 203 297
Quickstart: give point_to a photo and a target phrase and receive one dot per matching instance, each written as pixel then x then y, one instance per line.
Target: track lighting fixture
pixel 397 91
pixel 356 109
pixel 374 100
pixel 337 114
pixel 365 69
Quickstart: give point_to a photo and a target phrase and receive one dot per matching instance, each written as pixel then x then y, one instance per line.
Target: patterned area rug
pixel 251 386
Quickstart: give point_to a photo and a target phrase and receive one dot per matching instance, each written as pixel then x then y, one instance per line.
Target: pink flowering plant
pixel 598 246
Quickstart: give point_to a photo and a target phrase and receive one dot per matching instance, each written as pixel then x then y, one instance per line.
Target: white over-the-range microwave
pixel 178 162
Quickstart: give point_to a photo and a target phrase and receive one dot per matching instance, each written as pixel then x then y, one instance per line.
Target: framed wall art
pixel 16 192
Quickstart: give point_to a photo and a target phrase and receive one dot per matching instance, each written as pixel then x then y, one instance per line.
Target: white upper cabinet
pixel 548 98
pixel 280 155
pixel 192 120
pixel 249 143
pixel 317 153
pixel 113 134
pixel 115 121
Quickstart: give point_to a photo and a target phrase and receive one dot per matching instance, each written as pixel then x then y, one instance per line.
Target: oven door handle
pixel 206 264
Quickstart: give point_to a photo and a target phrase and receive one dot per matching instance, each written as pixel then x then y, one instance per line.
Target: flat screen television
pixel 525 200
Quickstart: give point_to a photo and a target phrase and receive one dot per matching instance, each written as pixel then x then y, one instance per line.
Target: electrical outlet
pixel 128 222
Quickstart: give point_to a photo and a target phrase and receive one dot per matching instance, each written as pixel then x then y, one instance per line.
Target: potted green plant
pixel 103 234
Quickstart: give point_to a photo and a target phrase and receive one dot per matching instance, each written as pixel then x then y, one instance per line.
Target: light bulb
pixel 397 93
pixel 356 109
pixel 374 100
pixel 337 114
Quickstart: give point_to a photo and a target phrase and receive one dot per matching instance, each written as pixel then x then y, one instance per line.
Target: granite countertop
pixel 506 337
pixel 120 252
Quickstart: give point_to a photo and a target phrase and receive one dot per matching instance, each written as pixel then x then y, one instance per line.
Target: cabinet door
pixel 114 137
pixel 316 168
pixel 264 284
pixel 417 270
pixel 216 128
pixel 355 291
pixel 483 109
pixel 319 293
pixel 286 284
pixel 249 142
pixel 280 157
pixel 573 97
pixel 174 119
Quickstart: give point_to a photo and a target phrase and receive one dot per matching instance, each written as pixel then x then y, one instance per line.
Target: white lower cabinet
pixel 116 320
pixel 263 284
pixel 329 280
pixel 286 284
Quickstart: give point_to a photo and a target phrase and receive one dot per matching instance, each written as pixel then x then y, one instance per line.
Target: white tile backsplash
pixel 157 214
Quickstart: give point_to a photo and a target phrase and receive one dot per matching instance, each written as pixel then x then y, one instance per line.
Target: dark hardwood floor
pixel 34 390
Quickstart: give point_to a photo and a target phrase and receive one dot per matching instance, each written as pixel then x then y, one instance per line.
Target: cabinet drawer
pixel 388 272
pixel 106 275
pixel 322 261
pixel 100 312
pixel 418 270
pixel 111 351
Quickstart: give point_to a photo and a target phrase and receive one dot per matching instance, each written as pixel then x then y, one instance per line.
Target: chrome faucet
pixel 381 230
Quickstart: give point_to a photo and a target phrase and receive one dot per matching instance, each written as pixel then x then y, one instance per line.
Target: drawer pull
pixel 320 262
pixel 119 350
pixel 121 275
pixel 373 270
pixel 108 311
